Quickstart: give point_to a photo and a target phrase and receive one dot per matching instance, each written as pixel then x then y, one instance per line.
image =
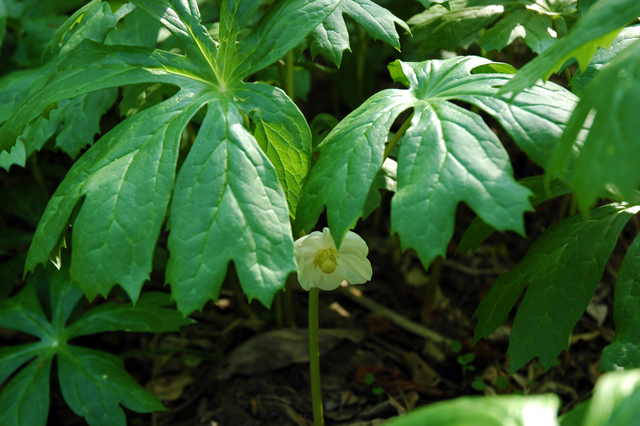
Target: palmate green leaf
pixel 137 28
pixel 127 178
pixel 533 27
pixel 542 191
pixel 93 383
pixel 562 268
pixel 597 28
pixel 603 56
pixel 331 37
pixel 440 27
pixel 447 155
pixel 487 411
pixel 624 351
pixel 608 158
pixel 75 121
pixel 243 212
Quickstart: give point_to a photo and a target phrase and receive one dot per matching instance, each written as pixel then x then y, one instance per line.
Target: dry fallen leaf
pixel 169 388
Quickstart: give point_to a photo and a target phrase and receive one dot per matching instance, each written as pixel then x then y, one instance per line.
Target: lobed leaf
pixel 603 56
pixel 93 383
pixel 387 179
pixel 536 21
pixel 278 31
pixel 25 400
pixel 118 192
pixel 447 155
pixel 608 157
pixel 331 37
pixel 597 28
pixel 562 269
pixel 528 24
pixel 75 121
pixel 126 184
pixel 240 204
pixel 344 172
pixel 147 315
pixel 624 351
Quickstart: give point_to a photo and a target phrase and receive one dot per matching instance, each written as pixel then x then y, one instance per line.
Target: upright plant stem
pixel 363 42
pixel 290 78
pixel 314 357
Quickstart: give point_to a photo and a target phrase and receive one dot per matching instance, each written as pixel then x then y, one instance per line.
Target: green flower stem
pixel 314 357
pixel 396 138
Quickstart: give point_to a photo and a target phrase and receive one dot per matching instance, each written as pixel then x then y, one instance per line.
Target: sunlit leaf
pixel 447 155
pixel 126 180
pixel 331 38
pixel 608 157
pixel 597 28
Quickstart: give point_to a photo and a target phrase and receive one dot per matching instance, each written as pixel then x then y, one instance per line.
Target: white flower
pixel 321 265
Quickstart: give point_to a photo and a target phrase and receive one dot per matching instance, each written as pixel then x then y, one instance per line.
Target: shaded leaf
pixel 479 231
pixel 93 383
pixel 562 268
pixel 624 352
pixel 24 200
pixel 25 400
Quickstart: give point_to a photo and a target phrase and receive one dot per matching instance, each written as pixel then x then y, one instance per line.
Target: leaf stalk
pixel 400 133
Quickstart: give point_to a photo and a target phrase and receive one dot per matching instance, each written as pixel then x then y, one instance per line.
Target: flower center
pixel 326 260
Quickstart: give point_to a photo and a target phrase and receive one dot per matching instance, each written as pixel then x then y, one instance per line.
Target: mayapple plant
pixel 241 187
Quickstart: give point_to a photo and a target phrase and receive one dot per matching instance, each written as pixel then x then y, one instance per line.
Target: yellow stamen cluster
pixel 326 260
